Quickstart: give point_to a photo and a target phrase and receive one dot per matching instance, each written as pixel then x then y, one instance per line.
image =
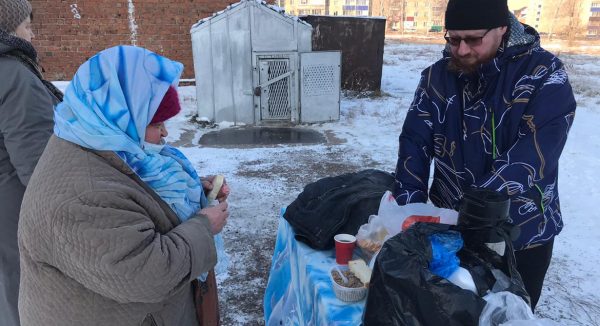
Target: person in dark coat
pixel 494 112
pixel 26 102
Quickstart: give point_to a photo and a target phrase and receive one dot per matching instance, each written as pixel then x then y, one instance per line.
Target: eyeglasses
pixel 469 40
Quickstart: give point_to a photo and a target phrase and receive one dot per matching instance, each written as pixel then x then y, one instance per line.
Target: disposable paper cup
pixel 344 246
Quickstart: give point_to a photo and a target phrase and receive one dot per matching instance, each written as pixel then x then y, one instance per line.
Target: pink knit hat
pixel 168 108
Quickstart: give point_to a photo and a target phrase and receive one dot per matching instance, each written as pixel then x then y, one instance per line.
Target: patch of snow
pixel 226 124
pixel 132 24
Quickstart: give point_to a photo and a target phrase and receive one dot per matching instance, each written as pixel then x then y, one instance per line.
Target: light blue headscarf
pixel 108 105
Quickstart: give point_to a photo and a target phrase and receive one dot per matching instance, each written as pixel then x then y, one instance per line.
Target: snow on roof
pixel 277 9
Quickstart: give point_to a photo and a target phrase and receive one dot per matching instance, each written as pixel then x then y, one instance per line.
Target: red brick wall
pixel 66 36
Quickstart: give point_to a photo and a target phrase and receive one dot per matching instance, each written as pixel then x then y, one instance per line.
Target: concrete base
pixel 261 136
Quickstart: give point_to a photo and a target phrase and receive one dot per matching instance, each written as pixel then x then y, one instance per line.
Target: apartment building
pixel 327 7
pixel 355 7
pixel 306 7
pixel 562 18
pixel 594 19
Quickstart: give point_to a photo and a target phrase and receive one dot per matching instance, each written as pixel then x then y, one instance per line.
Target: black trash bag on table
pixel 403 291
pixel 334 205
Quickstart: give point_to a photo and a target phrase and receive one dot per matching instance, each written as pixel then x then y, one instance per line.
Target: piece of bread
pixel 360 269
pixel 217 184
pixel 369 245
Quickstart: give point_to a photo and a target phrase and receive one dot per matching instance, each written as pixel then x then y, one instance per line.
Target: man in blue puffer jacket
pixel 494 112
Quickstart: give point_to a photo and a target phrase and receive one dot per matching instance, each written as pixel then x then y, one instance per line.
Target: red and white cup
pixel 344 247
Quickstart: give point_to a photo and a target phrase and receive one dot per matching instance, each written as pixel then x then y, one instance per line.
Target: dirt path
pixel 261 187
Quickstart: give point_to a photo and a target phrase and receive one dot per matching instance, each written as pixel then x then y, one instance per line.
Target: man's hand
pixel 207 184
pixel 217 216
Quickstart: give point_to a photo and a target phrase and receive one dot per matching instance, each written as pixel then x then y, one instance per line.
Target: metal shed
pixel 361 40
pixel 254 65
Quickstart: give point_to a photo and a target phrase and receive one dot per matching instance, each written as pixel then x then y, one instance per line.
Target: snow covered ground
pixel 264 179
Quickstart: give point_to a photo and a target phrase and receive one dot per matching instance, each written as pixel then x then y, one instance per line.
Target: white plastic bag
pixel 394 215
pixel 222 265
pixel 390 219
pixel 507 309
pixel 371 236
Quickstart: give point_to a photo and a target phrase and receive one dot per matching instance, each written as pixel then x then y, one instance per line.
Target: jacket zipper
pixel 541 199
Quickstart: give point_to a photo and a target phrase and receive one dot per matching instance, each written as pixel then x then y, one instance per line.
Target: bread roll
pixel 360 269
pixel 217 184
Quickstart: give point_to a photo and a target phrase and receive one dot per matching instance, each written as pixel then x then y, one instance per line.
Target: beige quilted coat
pixel 98 247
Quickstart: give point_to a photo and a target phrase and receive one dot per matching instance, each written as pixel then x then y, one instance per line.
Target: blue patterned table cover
pixel 299 290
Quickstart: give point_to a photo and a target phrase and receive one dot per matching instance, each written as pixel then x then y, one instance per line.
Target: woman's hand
pixel 207 184
pixel 217 216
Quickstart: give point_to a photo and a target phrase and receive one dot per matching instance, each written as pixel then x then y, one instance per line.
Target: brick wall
pixel 69 32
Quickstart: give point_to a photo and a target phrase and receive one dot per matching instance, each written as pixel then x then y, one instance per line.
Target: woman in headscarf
pixel 115 226
pixel 26 102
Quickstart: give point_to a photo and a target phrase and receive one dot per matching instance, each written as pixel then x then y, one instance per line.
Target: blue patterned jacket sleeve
pixel 415 150
pixel 542 135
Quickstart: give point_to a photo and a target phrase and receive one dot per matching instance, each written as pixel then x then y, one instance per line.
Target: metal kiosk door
pixel 275 88
pixel 320 83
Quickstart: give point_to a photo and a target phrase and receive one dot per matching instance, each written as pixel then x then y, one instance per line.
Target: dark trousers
pixel 532 264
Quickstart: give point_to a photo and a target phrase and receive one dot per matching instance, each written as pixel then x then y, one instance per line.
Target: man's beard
pixel 455 65
pixel 458 66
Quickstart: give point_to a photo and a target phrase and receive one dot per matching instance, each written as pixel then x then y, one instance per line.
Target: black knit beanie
pixel 476 14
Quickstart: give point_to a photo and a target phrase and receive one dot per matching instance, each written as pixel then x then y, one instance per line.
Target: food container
pixel 345 293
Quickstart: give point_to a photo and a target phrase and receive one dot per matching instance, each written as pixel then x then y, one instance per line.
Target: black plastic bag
pixel 403 291
pixel 339 204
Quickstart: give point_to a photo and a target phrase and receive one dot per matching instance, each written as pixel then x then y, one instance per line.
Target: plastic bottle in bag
pixel 462 278
pixel 445 263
